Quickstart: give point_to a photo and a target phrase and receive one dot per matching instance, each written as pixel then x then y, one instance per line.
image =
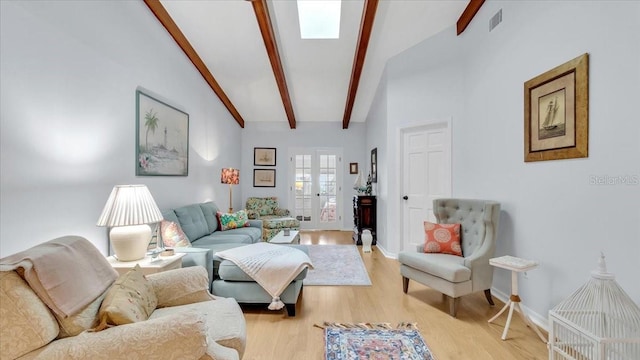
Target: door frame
pixel 433 124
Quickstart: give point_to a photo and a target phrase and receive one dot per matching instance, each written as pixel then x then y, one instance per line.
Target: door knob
pixel 405 197
pixel 318 194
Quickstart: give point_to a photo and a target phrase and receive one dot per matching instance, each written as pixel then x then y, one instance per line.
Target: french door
pixel 315 187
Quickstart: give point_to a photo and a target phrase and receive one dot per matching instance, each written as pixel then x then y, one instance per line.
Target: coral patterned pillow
pixel 233 221
pixel 442 238
pixel 172 235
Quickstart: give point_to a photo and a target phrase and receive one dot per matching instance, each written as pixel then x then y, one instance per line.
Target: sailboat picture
pixel 551 115
pixel 264 178
pixel 264 156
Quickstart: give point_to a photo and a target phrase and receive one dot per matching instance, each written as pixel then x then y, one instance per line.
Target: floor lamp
pixel 230 176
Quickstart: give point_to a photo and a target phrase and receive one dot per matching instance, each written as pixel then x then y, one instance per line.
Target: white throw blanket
pixel 272 266
pixel 67 273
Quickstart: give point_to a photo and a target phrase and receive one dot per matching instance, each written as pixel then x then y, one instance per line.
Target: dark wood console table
pixel 364 217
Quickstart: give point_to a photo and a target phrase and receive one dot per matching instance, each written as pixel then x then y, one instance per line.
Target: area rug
pixel 336 265
pixel 377 341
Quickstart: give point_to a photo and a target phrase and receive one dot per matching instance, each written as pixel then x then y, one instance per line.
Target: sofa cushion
pixel 245 235
pixel 206 241
pixel 130 299
pixel 229 271
pixel 235 220
pixel 192 221
pixel 276 222
pixel 262 205
pixel 172 235
pixel 86 319
pixel 445 266
pixel 25 321
pixel 224 319
pixel 170 215
pixel 180 286
pixel 442 238
pixel 210 211
pixel 180 336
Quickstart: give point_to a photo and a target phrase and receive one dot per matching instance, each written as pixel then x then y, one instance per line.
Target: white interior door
pixel 316 188
pixel 426 168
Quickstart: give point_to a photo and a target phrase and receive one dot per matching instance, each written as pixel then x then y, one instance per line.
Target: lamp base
pixel 130 242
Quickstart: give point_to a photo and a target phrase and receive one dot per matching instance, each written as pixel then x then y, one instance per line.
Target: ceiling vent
pixel 495 20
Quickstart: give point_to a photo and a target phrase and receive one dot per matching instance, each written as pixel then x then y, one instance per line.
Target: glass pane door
pixel 303 189
pixel 316 190
pixel 328 188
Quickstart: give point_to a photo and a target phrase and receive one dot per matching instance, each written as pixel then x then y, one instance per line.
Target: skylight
pixel 319 19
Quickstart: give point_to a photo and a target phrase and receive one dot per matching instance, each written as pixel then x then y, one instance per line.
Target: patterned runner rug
pixel 374 341
pixel 336 265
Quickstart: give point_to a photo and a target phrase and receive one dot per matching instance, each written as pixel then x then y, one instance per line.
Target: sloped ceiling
pixel 226 36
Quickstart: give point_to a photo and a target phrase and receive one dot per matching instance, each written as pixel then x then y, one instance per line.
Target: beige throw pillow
pixel 130 299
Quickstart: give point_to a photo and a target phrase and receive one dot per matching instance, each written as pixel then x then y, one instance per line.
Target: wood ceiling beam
pixel 266 28
pixel 467 15
pixel 366 25
pixel 165 19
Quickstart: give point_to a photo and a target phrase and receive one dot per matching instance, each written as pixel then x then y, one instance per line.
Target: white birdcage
pixel 599 321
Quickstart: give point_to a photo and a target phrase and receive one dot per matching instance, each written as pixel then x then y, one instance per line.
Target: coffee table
pixel 281 238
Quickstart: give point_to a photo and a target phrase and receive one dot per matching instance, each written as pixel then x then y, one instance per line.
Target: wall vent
pixel 495 20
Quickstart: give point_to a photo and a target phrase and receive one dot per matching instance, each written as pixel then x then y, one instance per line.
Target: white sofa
pixel 188 323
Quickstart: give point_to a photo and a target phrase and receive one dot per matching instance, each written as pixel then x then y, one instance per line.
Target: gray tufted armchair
pixel 452 275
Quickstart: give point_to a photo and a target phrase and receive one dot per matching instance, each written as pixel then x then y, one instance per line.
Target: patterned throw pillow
pixel 233 221
pixel 130 299
pixel 172 235
pixel 442 238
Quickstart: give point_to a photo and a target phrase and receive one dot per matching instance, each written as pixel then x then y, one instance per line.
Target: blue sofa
pixel 200 225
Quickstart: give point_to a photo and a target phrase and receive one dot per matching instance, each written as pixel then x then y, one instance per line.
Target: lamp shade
pixel 230 176
pixel 130 205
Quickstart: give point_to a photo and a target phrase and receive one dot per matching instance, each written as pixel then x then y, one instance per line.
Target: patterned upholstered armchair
pixel 274 219
pixel 452 275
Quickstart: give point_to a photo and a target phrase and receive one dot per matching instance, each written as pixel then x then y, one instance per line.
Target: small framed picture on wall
pixel 353 168
pixel 264 178
pixel 264 156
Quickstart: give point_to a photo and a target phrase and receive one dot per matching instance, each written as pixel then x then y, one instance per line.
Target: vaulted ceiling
pixel 252 56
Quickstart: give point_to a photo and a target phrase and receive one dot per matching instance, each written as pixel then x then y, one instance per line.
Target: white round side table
pixel 516 265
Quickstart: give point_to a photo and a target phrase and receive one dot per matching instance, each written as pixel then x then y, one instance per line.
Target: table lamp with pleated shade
pixel 128 211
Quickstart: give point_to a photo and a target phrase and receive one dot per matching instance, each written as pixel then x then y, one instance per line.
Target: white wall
pixel 412 101
pixel 376 136
pixel 69 72
pixel 552 211
pixel 307 134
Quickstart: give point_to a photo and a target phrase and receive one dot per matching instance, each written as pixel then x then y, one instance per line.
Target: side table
pixel 516 265
pixel 148 266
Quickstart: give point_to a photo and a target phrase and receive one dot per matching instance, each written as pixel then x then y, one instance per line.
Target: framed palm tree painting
pixel 162 138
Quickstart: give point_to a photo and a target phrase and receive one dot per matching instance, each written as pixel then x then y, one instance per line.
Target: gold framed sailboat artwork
pixel 556 112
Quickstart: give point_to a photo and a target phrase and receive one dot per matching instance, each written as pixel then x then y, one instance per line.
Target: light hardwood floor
pixel 273 335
